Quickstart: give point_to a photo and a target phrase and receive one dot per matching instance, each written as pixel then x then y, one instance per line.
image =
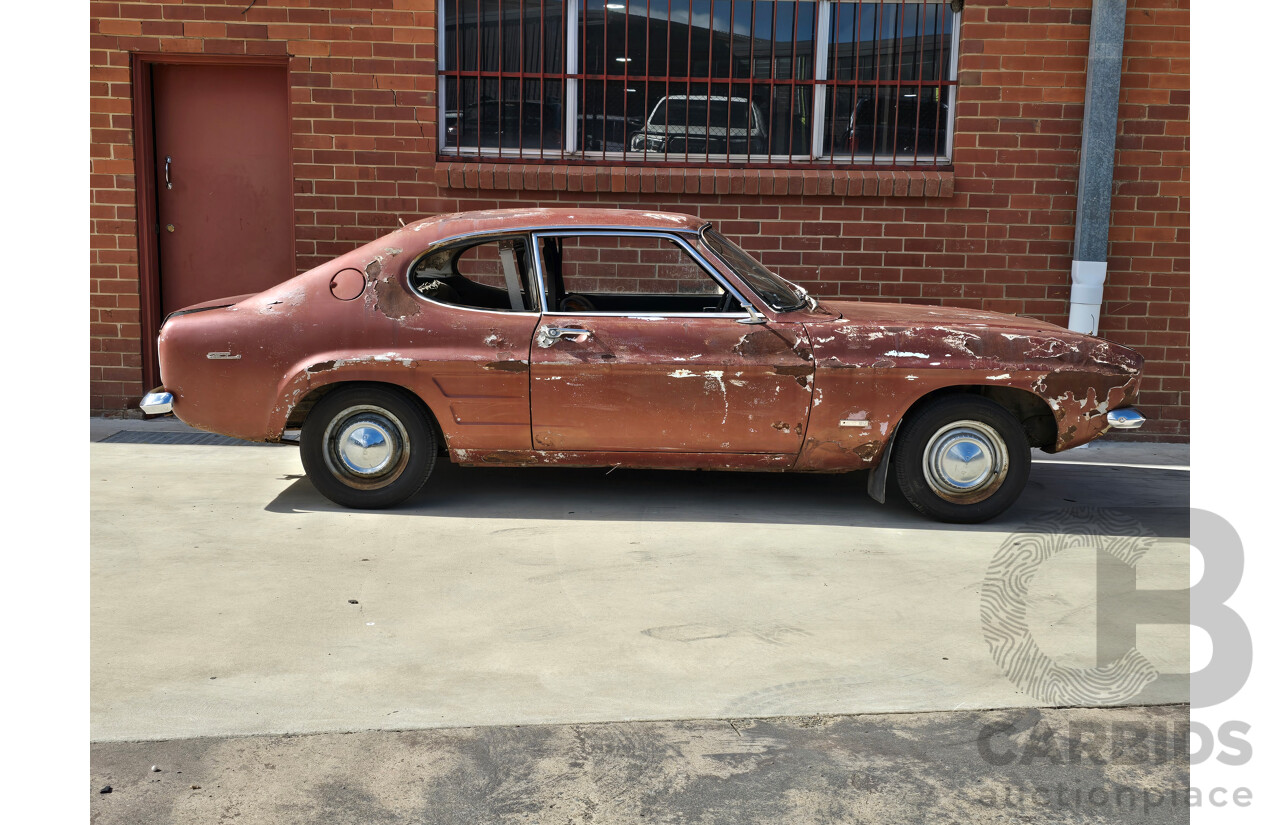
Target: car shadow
pixel 1136 501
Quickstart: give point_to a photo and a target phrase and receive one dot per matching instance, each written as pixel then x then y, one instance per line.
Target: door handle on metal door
pixel 549 335
pixel 565 332
pixel 168 159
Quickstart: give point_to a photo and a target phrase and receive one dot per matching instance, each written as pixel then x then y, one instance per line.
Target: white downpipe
pixel 1087 280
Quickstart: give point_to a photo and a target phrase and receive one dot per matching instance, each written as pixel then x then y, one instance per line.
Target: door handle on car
pixel 555 333
pixel 168 161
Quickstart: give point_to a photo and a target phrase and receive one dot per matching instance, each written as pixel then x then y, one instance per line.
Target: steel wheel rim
pixel 965 462
pixel 366 446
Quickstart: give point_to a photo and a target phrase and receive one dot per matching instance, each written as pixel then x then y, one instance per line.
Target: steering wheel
pixel 574 302
pixel 727 302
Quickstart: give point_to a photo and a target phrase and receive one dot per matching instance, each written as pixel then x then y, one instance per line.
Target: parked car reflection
pixel 703 125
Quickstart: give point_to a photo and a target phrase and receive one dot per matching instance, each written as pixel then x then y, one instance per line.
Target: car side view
pixel 607 338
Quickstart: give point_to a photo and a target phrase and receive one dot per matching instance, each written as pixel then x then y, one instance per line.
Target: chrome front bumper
pixel 157 402
pixel 1125 419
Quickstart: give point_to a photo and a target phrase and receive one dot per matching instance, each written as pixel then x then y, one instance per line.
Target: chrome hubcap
pixel 965 461
pixel 366 446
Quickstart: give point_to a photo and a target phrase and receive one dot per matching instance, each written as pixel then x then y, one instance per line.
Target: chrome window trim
pixel 711 272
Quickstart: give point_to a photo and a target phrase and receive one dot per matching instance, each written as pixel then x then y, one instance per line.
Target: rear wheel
pixel 962 459
pixel 367 447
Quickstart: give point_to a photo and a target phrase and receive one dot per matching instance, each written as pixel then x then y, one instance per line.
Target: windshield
pixel 777 292
pixel 698 112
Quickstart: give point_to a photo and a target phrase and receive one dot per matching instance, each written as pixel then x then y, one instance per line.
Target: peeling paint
pixel 393 300
pixel 801 373
pixel 756 343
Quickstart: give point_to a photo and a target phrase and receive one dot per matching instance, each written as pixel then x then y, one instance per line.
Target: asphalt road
pixel 964 767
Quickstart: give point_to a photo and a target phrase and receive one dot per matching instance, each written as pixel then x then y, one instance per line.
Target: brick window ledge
pixel 915 183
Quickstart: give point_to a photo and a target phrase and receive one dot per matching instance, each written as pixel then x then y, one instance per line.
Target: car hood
pixel 882 314
pixel 869 333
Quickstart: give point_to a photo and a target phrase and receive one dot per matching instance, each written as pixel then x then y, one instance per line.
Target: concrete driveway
pixel 230 598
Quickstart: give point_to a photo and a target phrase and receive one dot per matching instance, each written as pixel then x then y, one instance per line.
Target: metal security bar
pixel 809 83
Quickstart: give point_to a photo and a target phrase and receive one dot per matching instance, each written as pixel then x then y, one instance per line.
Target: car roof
pixel 515 220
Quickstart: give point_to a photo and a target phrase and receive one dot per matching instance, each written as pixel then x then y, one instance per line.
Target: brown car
pixel 607 338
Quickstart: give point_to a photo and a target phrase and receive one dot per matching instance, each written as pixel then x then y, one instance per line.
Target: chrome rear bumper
pixel 1125 419
pixel 157 402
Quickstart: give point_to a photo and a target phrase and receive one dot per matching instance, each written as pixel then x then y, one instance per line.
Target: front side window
pixel 854 82
pixel 612 273
pixel 776 291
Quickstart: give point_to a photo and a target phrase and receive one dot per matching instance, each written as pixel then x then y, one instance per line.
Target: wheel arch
pixel 1034 413
pixel 298 412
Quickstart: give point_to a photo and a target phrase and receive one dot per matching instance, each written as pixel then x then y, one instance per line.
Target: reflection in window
pixel 504 84
pixel 700 81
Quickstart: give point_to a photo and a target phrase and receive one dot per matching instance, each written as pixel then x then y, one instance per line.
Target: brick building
pixel 921 152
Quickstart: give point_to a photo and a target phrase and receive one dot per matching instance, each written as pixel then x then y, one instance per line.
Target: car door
pixel 640 349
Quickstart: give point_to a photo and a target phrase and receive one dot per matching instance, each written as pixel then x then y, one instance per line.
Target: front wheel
pixel 962 459
pixel 367 447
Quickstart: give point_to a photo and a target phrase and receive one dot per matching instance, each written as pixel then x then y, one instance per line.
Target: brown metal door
pixel 677 384
pixel 224 199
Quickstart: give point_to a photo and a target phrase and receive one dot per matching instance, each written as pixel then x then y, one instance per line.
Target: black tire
pixel 962 459
pixel 393 465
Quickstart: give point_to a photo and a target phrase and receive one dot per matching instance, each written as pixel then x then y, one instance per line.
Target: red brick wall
pixel 997 233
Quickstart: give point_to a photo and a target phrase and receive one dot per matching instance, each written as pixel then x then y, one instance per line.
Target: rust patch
pixel 757 343
pixel 781 426
pixel 323 366
pixel 392 301
pixel 508 457
pixel 374 268
pixel 507 366
pixel 867 452
pixel 801 373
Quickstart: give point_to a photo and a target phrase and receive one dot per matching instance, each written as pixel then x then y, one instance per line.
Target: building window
pixel 700 82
